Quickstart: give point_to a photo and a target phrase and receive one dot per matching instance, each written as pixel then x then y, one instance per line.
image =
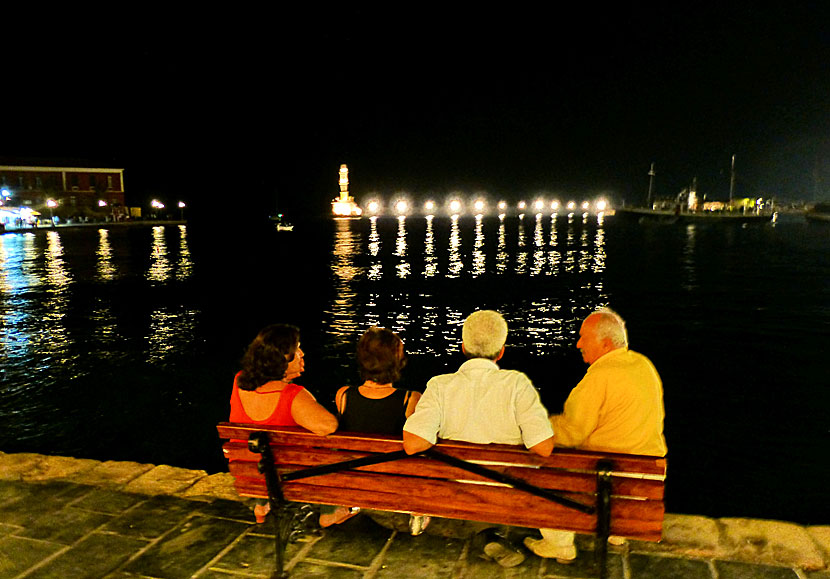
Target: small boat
pixel 281 224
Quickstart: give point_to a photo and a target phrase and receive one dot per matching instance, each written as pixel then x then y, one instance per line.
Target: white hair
pixel 610 325
pixel 484 334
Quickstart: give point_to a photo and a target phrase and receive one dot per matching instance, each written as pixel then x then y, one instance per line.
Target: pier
pixel 68 517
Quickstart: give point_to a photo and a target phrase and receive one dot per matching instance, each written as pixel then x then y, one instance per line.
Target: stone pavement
pixel 76 518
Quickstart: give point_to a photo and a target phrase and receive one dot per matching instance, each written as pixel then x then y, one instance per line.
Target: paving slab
pixel 18 554
pixel 95 556
pixel 771 542
pixel 422 556
pixel 187 548
pixel 738 570
pixel 338 544
pixel 164 480
pixel 151 518
pixel 643 566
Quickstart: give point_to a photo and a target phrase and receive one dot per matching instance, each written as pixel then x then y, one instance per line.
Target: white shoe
pixel 563 554
pixel 418 524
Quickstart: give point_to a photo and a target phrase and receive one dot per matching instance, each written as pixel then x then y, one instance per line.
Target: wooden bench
pixel 585 492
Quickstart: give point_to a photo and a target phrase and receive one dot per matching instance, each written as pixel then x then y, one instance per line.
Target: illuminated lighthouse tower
pixel 344 206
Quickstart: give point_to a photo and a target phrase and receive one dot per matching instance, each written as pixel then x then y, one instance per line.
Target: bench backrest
pixel 431 487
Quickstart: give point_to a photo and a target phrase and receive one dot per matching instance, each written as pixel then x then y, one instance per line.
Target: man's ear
pixel 501 353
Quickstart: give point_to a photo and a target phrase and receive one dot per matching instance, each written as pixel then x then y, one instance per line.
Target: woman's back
pixel 376 415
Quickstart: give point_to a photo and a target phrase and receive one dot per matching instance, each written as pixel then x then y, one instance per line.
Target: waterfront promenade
pixel 75 518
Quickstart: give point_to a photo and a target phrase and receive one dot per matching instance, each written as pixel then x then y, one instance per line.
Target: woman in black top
pixel 375 406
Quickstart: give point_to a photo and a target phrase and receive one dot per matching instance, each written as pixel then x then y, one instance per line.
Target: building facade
pixel 69 191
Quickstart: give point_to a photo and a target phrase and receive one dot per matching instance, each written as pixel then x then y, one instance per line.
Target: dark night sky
pixel 265 107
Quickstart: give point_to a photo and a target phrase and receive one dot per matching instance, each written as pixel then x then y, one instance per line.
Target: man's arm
pixel 413 444
pixel 581 414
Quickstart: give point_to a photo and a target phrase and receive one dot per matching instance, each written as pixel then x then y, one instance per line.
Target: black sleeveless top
pixel 375 415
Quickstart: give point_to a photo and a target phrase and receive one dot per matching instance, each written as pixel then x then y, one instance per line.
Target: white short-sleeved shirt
pixel 481 403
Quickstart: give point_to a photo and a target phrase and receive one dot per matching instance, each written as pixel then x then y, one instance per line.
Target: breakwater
pixel 689 541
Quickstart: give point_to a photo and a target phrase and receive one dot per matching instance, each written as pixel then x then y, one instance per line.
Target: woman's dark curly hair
pixel 380 356
pixel 265 359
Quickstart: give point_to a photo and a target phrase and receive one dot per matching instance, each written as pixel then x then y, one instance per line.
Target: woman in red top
pixel 263 392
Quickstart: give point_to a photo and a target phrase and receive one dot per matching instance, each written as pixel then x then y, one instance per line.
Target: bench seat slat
pixel 534 514
pixel 431 469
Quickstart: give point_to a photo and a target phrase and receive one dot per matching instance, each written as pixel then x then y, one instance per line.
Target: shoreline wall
pixel 750 540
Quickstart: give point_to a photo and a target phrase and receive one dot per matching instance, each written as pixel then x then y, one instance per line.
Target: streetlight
pixel 51 204
pixel 181 210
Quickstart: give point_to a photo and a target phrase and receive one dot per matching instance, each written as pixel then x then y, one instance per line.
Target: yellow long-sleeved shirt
pixel 616 407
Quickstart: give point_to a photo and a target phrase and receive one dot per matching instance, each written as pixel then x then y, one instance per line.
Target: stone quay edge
pixel 765 542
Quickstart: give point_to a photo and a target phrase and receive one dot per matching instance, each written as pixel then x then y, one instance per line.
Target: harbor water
pixel 121 343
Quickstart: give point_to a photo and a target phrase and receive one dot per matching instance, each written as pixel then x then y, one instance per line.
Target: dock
pixel 82 518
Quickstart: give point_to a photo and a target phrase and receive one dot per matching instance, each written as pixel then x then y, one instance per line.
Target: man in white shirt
pixel 480 402
pixel 484 404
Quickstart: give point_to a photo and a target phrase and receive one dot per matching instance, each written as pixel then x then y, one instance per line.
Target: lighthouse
pixel 344 206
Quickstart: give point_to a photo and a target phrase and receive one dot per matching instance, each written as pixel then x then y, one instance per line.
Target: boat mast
pixel 732 182
pixel 651 174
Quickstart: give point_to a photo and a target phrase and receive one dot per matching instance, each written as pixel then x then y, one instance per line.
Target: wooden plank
pixel 539 514
pixel 430 469
pixel 446 494
pixel 561 458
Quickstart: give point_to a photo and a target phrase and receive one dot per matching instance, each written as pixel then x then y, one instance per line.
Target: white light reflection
pixel 501 251
pixel 570 251
pixel 172 330
pixel 430 260
pixel 53 339
pixel 403 268
pixel 479 260
pixel 106 270
pixel 455 265
pixel 538 243
pixel 599 246
pixel 184 267
pixel 17 254
pixel 553 253
pixel 347 243
pixel 160 268
pixel 376 268
pixel 585 253
pixel 521 254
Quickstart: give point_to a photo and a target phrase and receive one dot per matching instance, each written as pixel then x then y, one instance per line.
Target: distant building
pixel 345 206
pixel 76 191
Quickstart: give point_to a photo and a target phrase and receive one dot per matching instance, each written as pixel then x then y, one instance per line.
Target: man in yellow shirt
pixel 616 407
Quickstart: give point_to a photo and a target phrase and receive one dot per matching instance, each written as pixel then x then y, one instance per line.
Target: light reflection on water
pixel 484 257
pixel 38 333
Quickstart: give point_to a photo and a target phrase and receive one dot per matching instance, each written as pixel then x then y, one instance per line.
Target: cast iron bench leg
pixel 283 518
pixel 604 468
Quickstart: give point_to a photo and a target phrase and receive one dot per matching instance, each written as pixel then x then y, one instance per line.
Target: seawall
pixel 804 549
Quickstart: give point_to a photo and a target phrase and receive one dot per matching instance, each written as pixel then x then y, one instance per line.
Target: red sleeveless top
pixel 281 415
